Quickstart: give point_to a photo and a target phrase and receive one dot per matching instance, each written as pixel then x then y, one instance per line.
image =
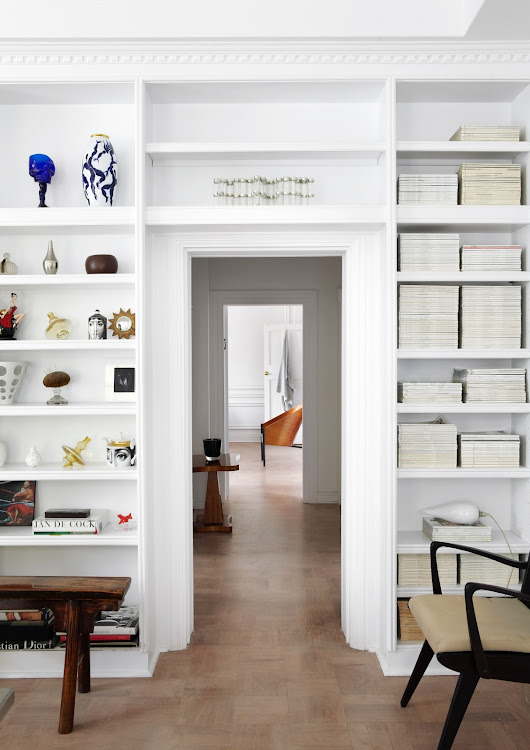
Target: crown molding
pixel 258 52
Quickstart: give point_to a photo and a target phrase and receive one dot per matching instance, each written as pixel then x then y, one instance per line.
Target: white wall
pixel 243 274
pixel 246 398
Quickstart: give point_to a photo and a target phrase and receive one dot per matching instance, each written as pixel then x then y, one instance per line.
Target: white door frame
pixel 308 298
pixel 367 405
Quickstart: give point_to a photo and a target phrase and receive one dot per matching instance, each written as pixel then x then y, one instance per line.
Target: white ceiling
pixel 289 19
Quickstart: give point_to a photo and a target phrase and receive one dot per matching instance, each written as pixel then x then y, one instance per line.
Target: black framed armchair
pixel 479 637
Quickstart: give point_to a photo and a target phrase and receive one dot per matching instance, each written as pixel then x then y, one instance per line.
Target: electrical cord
pixel 483 514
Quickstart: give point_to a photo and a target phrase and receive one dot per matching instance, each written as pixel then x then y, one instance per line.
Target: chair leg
pixel 465 687
pixel 424 659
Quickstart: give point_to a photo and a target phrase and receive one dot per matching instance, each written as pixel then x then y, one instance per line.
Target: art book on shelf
pixel 30 644
pixel 19 633
pixel 440 530
pixel 67 513
pixel 17 616
pixel 123 621
pixel 93 524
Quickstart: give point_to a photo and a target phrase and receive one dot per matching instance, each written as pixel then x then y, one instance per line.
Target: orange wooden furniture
pixel 281 430
pixel 75 601
pixel 214 518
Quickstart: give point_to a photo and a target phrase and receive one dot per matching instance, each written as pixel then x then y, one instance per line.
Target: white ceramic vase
pixel 11 377
pixel 33 458
pixel 3 453
pixel 100 171
pixel 459 511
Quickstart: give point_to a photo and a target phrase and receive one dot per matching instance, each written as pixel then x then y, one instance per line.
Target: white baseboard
pixel 328 497
pixel 244 434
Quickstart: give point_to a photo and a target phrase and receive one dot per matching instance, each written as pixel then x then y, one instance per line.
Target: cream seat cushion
pixel 504 624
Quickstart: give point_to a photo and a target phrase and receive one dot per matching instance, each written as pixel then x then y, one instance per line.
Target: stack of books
pixel 491 317
pixel 487 133
pixel 31 629
pixel 440 530
pixel 474 568
pixel 427 446
pixel 492 385
pixel 428 316
pixel 430 393
pixel 490 257
pixel 489 450
pixel 428 189
pixel 489 184
pixel 70 521
pixel 415 570
pixel 114 629
pixel 428 252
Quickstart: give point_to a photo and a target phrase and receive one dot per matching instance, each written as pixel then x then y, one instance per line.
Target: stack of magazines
pixel 475 568
pixel 428 252
pixel 487 133
pixel 490 257
pixel 430 393
pixel 114 629
pixel 427 446
pixel 489 450
pixel 491 317
pixel 428 316
pixel 440 530
pixel 492 385
pixel 427 189
pixel 489 184
pixel 415 570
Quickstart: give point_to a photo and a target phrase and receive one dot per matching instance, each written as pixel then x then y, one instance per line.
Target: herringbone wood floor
pixel 267 668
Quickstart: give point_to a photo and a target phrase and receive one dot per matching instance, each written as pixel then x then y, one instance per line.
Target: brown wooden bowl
pixel 101 264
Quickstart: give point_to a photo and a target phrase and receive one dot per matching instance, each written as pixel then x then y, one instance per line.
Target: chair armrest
pixel 435 546
pixel 472 626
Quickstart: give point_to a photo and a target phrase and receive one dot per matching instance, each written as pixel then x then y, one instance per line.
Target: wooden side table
pixel 214 518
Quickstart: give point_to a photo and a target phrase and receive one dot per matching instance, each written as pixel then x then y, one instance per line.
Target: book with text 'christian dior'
pixel 94 524
pixel 30 644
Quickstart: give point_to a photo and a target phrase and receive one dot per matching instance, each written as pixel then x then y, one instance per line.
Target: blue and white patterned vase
pixel 100 171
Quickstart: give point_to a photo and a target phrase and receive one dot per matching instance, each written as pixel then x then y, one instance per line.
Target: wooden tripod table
pixel 214 519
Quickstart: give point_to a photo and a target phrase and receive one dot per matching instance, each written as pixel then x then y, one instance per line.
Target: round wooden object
pixel 56 379
pixel 101 264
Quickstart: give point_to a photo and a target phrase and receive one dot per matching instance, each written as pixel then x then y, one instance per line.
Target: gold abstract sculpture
pixel 73 455
pixel 58 328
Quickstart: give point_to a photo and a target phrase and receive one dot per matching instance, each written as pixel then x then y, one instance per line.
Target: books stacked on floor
pixel 491 317
pixel 474 568
pixel 489 184
pixel 415 570
pixel 428 189
pixel 427 445
pixel 487 133
pixel 430 393
pixel 70 521
pixel 428 252
pixel 31 629
pixel 490 257
pixel 440 530
pixel 428 316
pixel 492 385
pixel 114 629
pixel 489 450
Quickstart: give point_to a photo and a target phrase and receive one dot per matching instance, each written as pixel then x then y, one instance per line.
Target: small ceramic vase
pixel 11 376
pixel 33 458
pixel 101 264
pixel 3 453
pixel 50 262
pixel 99 171
pixel 7 267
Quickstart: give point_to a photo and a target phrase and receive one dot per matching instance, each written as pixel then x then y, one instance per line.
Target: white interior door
pixel 273 341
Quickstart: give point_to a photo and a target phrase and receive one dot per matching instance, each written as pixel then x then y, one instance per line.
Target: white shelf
pixel 113 216
pixel 463 354
pixel 458 218
pixel 55 472
pixel 248 215
pixel 416 542
pixel 78 410
pixel 68 345
pixel 69 279
pixel 22 536
pixel 459 473
pixel 497 408
pixel 462 277
pixel 462 150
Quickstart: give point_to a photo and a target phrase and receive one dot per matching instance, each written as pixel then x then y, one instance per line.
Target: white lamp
pixel 459 511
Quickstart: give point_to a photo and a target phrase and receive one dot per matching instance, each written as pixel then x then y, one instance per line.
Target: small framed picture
pixel 120 381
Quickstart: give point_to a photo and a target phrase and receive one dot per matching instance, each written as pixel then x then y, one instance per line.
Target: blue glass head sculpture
pixel 42 169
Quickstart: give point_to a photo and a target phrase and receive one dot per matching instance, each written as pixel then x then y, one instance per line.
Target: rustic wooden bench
pixel 75 602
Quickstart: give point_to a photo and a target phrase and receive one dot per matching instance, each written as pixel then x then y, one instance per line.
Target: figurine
pixel 56 380
pixel 58 328
pixel 7 267
pixel 42 169
pixel 126 523
pixel 9 322
pixel 73 455
pixel 121 454
pixel 99 171
pixel 33 458
pixel 125 519
pixel 97 326
pixel 50 262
